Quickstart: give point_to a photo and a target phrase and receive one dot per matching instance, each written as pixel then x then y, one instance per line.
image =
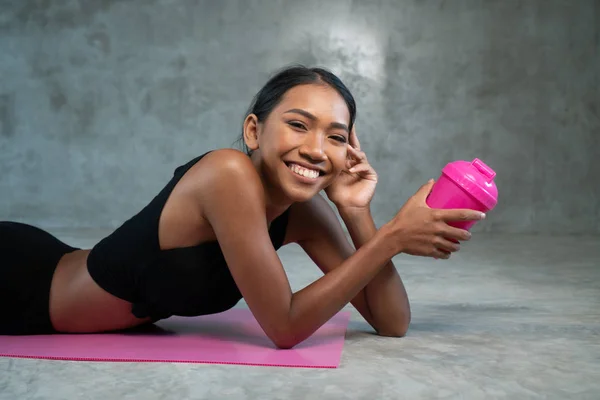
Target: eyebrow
pixel 308 115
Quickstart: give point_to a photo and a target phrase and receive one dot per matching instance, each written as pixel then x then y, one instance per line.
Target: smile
pixel 303 171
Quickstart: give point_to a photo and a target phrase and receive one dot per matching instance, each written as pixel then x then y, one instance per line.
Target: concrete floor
pixel 508 317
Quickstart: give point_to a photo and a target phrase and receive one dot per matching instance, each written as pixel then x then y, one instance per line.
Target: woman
pixel 209 238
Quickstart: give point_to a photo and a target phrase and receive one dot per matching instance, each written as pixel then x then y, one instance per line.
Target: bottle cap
pixel 476 178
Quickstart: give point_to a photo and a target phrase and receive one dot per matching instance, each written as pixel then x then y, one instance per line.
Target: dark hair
pixel 271 93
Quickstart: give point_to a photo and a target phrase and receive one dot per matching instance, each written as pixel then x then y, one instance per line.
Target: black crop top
pixel 186 281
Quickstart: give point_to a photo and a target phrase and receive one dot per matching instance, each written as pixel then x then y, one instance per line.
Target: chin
pixel 297 193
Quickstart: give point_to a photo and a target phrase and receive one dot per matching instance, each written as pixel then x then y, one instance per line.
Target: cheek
pixel 270 142
pixel 278 139
pixel 339 158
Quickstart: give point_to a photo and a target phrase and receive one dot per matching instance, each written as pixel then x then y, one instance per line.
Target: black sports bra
pixel 185 281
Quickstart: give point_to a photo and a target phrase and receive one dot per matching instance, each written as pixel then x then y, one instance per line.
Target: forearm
pixel 385 294
pixel 318 302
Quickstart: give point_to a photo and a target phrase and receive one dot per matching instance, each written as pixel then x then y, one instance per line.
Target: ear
pixel 251 131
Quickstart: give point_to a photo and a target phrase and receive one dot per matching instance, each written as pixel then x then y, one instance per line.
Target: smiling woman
pixel 210 237
pixel 274 90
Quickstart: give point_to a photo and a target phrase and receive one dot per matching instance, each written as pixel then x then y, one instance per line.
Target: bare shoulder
pixel 211 187
pixel 226 156
pixel 230 162
pixel 224 173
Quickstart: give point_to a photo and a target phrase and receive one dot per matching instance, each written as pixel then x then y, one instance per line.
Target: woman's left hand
pixel 355 186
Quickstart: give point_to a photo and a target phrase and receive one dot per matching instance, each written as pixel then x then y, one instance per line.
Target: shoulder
pixel 226 161
pixel 223 177
pixel 224 168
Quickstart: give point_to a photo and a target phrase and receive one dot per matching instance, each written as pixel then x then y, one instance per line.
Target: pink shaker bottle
pixel 467 185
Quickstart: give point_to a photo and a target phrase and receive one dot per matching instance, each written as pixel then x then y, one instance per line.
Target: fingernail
pixel 482 215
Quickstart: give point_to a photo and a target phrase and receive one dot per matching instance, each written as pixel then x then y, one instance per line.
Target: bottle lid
pixel 476 178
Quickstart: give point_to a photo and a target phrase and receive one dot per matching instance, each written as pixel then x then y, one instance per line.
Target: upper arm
pixel 314 226
pixel 232 200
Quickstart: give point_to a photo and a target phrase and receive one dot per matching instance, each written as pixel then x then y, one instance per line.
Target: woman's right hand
pixel 423 231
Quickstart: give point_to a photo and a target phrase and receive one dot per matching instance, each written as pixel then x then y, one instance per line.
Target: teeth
pixel 308 173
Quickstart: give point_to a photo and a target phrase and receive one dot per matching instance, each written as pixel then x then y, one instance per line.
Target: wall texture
pixel 101 100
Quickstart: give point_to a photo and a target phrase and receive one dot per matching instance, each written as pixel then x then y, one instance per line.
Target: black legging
pixel 28 258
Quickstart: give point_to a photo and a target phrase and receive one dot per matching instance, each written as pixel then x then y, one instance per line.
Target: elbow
pixel 284 343
pixel 395 330
pixel 284 340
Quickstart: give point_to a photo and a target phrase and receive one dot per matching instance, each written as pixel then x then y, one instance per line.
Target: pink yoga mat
pixel 231 337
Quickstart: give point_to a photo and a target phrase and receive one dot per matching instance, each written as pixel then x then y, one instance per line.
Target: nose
pixel 313 147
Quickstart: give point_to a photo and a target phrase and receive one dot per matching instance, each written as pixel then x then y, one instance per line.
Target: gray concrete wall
pixel 101 100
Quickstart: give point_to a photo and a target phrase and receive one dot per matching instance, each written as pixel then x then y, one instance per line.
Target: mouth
pixel 305 172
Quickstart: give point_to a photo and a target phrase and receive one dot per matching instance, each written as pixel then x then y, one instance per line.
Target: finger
pixel 356 153
pixel 460 215
pixel 447 245
pixel 458 234
pixel 361 168
pixel 352 162
pixel 353 138
pixel 444 255
pixel 424 191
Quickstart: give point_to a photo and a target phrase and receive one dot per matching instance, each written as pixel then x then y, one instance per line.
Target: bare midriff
pixel 79 305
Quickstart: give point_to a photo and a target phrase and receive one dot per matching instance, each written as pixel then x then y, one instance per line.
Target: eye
pixel 339 138
pixel 297 125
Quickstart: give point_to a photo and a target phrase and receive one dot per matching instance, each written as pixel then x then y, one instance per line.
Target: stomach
pixel 79 305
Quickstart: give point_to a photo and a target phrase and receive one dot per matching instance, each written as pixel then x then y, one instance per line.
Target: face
pixel 301 147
